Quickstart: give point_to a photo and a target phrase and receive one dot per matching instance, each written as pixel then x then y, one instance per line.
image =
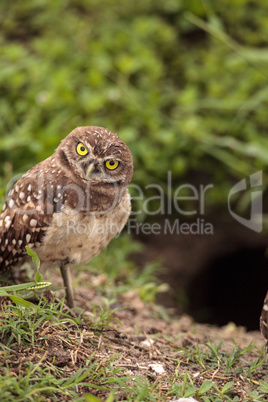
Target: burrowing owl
pixel 264 320
pixel 68 207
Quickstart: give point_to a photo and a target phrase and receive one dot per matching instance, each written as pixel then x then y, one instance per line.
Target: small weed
pixel 11 291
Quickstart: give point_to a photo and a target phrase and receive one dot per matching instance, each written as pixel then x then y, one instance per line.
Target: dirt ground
pixel 145 343
pixel 150 344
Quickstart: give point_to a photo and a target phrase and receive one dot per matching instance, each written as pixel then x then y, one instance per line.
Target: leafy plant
pixel 38 283
pixel 183 82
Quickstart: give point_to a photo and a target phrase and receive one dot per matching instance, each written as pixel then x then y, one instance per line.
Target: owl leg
pixel 67 280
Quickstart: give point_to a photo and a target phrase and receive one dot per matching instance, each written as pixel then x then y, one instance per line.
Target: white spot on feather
pixel 33 223
pixel 11 203
pixel 28 238
pixel 8 224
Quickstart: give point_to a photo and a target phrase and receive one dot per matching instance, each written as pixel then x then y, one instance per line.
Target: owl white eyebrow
pixel 107 158
pixel 88 146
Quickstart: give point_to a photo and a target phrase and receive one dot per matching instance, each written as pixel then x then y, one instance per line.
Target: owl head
pixel 97 159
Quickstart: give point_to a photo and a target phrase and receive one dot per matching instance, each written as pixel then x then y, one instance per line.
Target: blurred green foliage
pixel 183 82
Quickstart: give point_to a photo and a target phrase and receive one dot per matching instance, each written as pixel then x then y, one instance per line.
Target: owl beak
pixel 89 170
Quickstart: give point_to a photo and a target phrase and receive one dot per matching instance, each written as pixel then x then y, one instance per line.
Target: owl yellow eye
pixel 81 149
pixel 111 164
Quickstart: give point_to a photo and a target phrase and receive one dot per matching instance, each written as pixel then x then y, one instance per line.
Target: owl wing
pixel 264 320
pixel 25 217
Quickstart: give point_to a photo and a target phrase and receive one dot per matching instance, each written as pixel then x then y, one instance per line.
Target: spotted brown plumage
pixel 264 320
pixel 23 220
pixel 69 206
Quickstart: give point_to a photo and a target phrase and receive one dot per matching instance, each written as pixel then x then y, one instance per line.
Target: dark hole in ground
pixel 230 288
pixel 216 279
